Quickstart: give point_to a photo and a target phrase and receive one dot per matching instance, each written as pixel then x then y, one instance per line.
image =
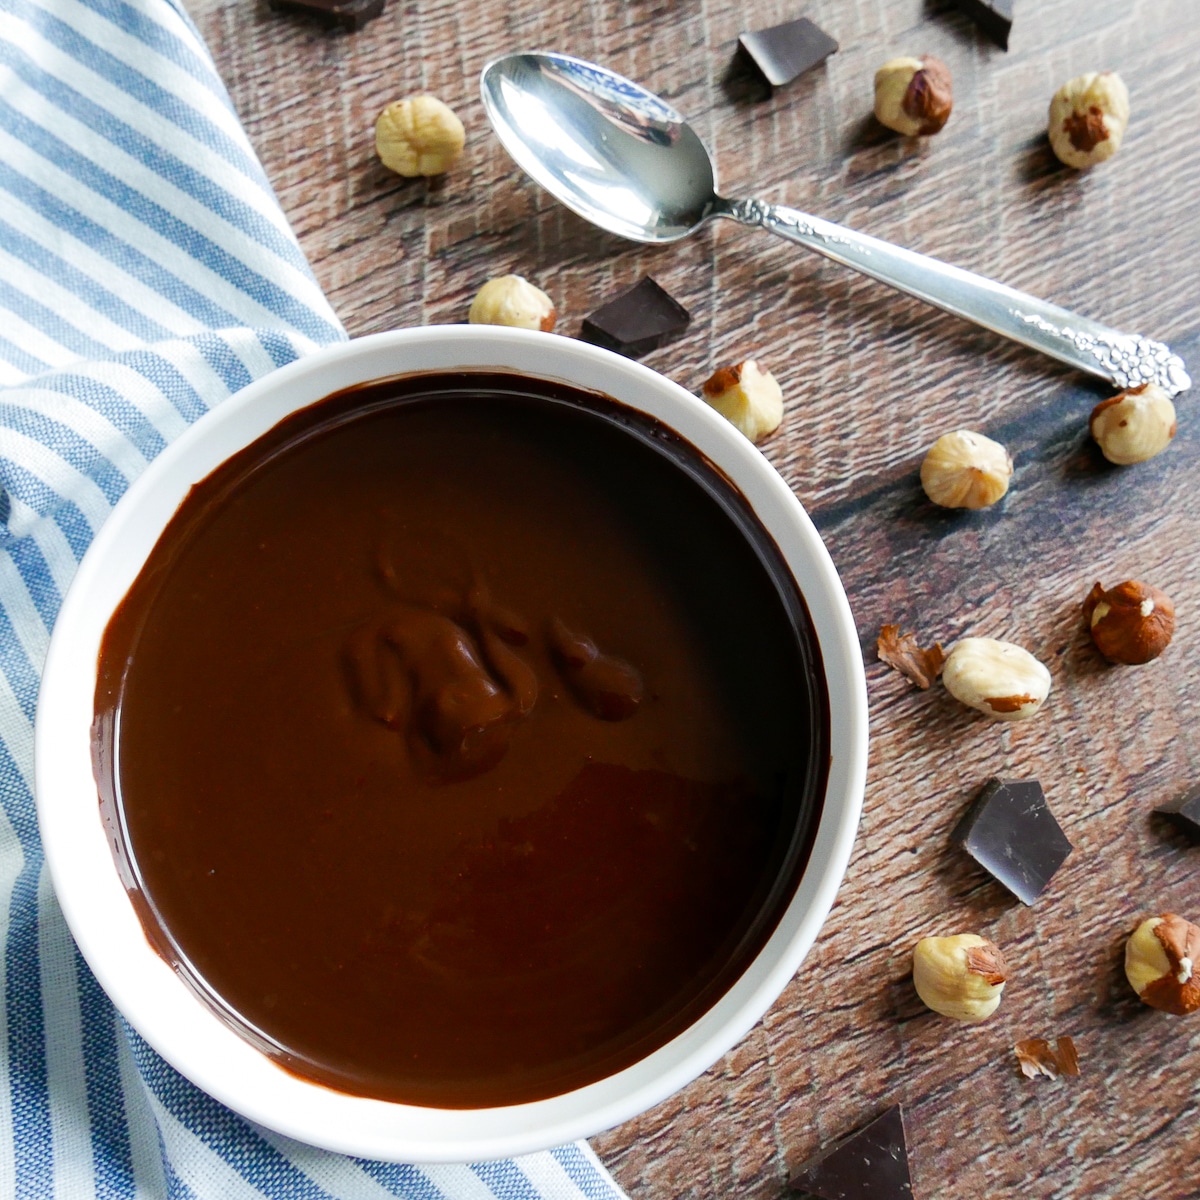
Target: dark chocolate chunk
pixel 994 18
pixel 871 1164
pixel 1184 813
pixel 636 321
pixel 1011 832
pixel 349 14
pixel 785 51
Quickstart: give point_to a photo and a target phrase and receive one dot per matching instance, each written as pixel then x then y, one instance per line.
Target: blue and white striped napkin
pixel 146 274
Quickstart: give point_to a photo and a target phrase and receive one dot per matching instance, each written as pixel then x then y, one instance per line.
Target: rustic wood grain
pixel 870 379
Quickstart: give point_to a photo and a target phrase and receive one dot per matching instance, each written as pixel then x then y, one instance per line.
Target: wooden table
pixel 870 380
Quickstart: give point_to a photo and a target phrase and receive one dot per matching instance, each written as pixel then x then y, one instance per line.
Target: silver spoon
pixel 622 158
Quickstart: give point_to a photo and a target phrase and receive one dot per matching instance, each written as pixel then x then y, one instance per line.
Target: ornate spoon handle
pixel 1126 360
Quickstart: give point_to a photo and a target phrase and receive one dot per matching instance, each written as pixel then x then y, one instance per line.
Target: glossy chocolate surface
pixel 1184 813
pixel 637 321
pixel 461 740
pixel 1011 832
pixel 994 18
pixel 784 52
pixel 871 1164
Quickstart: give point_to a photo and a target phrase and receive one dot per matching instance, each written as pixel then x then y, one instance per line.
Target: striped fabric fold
pixel 146 274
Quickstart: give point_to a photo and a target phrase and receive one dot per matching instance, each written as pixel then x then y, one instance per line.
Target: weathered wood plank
pixel 870 379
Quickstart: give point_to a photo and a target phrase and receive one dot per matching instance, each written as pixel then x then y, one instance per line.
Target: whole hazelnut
pixel 511 300
pixel 1088 117
pixel 419 136
pixel 997 678
pixel 1131 623
pixel 913 96
pixel 748 397
pixel 966 470
pixel 1135 425
pixel 1162 963
pixel 960 977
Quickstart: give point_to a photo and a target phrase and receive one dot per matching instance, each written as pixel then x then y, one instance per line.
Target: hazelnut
pixel 1134 426
pixel 1131 623
pixel 1088 116
pixel 1162 963
pixel 748 397
pixel 511 300
pixel 966 470
pixel 418 136
pixel 999 679
pixel 913 95
pixel 960 977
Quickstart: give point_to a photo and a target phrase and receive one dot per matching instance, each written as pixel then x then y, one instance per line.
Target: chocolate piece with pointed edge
pixel 349 14
pixel 636 321
pixel 871 1164
pixel 994 18
pixel 1011 832
pixel 783 52
pixel 1184 813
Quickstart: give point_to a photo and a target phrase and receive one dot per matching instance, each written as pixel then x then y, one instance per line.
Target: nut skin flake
pixel 1036 1057
pixel 901 652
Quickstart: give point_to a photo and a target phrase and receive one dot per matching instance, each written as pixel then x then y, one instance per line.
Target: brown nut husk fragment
pixel 901 652
pixel 914 96
pixel 1132 623
pixel 1162 964
pixel 1035 1057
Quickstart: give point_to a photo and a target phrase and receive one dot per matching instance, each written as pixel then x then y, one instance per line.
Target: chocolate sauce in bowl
pixel 462 739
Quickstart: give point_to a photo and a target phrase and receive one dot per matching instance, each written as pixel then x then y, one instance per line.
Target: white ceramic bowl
pixel 161 1006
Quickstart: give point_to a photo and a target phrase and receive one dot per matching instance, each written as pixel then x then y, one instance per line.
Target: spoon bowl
pixel 625 160
pixel 616 154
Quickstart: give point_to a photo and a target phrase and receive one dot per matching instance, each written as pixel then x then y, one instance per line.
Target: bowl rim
pixel 154 998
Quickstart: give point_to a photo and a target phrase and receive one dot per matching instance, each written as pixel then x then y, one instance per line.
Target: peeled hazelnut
pixel 966 470
pixel 748 397
pixel 999 679
pixel 1131 623
pixel 1088 117
pixel 419 136
pixel 960 977
pixel 511 300
pixel 913 96
pixel 1134 426
pixel 1162 964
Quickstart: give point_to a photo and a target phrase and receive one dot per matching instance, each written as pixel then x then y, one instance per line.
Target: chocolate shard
pixel 1184 813
pixel 783 52
pixel 871 1164
pixel 636 321
pixel 994 18
pixel 1011 832
pixel 349 14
